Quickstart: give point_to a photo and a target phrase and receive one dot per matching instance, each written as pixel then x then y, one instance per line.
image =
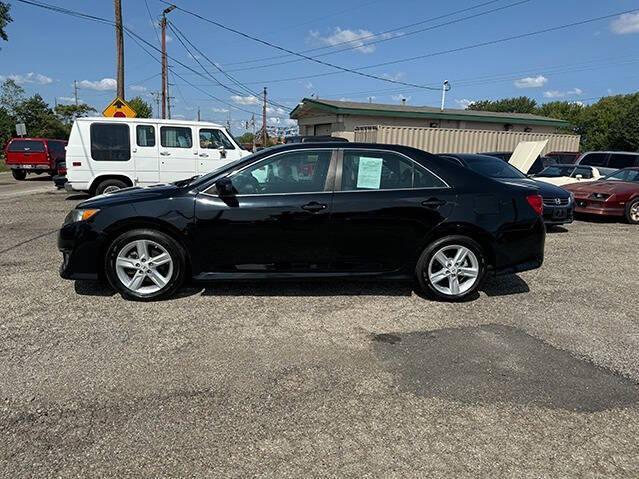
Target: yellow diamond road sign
pixel 119 109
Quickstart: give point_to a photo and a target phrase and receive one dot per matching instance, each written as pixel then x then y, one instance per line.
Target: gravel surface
pixel 538 377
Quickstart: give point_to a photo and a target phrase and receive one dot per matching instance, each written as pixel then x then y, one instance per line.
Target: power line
pixel 386 39
pixel 321 62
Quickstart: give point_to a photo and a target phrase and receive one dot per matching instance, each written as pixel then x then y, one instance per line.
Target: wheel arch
pixel 482 237
pixel 109 176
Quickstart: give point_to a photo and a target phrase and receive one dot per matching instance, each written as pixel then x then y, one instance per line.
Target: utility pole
pixel 75 91
pixel 165 77
pixel 264 136
pixel 156 96
pixel 119 44
pixel 445 88
pixel 198 114
pixel 253 123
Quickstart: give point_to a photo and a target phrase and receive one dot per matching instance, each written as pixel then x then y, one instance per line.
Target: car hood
pixel 609 187
pixel 545 189
pixel 130 195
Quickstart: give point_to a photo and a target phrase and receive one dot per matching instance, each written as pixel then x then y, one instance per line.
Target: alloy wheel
pixel 634 212
pixel 144 266
pixel 453 270
pixel 111 189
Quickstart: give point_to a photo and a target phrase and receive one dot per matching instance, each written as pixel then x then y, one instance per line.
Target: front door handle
pixel 433 203
pixel 204 155
pixel 314 207
pixel 165 153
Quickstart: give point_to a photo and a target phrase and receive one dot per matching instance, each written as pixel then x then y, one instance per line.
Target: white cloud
pixel 350 38
pixel 464 103
pixel 30 77
pixel 105 84
pixel 626 23
pixel 245 100
pixel 69 99
pixel 275 111
pixel 531 82
pixel 138 88
pixel 220 110
pixel 563 94
pixel 394 76
pixel 273 120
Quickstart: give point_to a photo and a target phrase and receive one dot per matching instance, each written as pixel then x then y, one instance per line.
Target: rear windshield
pixel 30 146
pixel 492 167
pixel 556 171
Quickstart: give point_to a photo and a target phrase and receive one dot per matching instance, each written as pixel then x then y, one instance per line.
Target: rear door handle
pixel 165 153
pixel 314 207
pixel 204 155
pixel 433 203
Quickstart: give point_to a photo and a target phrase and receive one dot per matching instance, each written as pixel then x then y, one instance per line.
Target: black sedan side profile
pixel 559 204
pixel 310 210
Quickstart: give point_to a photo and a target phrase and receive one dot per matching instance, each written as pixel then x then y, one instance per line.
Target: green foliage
pixel 68 113
pixel 521 104
pixel 610 124
pixel 245 138
pixel 5 19
pixel 142 108
pixel 11 95
pixel 39 119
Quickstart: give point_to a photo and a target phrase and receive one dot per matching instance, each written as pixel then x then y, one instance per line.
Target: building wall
pixel 344 125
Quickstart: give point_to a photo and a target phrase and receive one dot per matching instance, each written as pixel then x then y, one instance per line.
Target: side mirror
pixel 224 187
pixel 222 151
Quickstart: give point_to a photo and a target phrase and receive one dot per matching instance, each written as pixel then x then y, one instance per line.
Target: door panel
pixel 278 220
pixel 386 208
pixel 145 154
pixel 215 150
pixel 178 153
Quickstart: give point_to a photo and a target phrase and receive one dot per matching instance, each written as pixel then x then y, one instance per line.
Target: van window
pixel 175 137
pixel 29 146
pixel 145 135
pixel 56 148
pixel 594 159
pixel 586 173
pixel 622 161
pixel 214 139
pixel 110 142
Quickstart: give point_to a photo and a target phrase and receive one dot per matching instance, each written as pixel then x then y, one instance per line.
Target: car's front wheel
pixel 145 265
pixel 451 268
pixel 632 212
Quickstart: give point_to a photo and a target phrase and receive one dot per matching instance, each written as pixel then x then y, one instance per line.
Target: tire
pixel 19 175
pixel 125 262
pixel 429 267
pixel 109 186
pixel 632 212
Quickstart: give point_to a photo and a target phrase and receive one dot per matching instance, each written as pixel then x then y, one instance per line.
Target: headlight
pixel 600 196
pixel 79 215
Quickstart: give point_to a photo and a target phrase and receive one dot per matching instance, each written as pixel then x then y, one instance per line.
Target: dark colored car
pixel 314 139
pixel 539 164
pixel 558 203
pixel 614 195
pixel 34 155
pixel 503 155
pixel 310 210
pixel 564 157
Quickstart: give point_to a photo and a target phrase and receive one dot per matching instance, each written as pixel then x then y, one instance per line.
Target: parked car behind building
pixel 108 154
pixel 310 210
pixel 34 155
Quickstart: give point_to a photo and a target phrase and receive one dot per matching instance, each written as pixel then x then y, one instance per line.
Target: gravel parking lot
pixel 537 377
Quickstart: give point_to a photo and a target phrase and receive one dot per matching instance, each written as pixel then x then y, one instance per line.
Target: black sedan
pixel 310 210
pixel 559 205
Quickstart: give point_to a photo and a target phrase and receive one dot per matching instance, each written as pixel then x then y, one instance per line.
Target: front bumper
pixel 597 207
pixel 80 247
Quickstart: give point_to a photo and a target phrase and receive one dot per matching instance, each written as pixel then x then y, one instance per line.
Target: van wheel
pixel 19 174
pixel 451 268
pixel 109 186
pixel 145 265
pixel 632 212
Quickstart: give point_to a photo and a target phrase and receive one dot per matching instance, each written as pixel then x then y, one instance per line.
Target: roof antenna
pixel 445 88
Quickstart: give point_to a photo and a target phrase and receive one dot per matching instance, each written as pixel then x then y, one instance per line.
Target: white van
pixel 107 154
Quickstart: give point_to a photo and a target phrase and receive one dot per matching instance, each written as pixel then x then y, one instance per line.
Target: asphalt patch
pixel 496 363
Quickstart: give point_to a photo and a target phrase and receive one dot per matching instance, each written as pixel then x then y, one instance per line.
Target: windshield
pixel 492 167
pixel 624 175
pixel 556 171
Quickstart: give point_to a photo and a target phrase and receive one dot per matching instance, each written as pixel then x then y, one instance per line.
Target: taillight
pixel 536 203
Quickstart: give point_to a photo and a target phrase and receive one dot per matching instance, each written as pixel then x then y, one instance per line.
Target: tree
pixel 7 124
pixel 564 110
pixel 142 108
pixel 68 113
pixel 245 138
pixel 40 119
pixel 5 19
pixel 521 104
pixel 612 124
pixel 11 95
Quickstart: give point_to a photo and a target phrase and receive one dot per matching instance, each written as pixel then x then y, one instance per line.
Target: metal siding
pixel 453 140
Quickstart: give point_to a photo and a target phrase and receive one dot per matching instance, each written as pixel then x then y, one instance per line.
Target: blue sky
pixel 47 51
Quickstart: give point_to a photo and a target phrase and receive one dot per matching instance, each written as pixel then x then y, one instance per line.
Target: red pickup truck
pixel 34 155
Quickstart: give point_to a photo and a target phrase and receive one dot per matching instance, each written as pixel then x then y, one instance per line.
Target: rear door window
pixel 27 146
pixel 176 137
pixel 622 161
pixel 594 159
pixel 110 142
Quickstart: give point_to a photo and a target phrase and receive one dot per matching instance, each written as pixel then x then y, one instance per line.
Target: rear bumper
pixel 76 186
pixel 520 249
pixel 29 167
pixel 559 215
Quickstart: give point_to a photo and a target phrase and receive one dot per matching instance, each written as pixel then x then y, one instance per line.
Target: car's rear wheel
pixel 451 268
pixel 19 174
pixel 632 212
pixel 145 265
pixel 109 186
